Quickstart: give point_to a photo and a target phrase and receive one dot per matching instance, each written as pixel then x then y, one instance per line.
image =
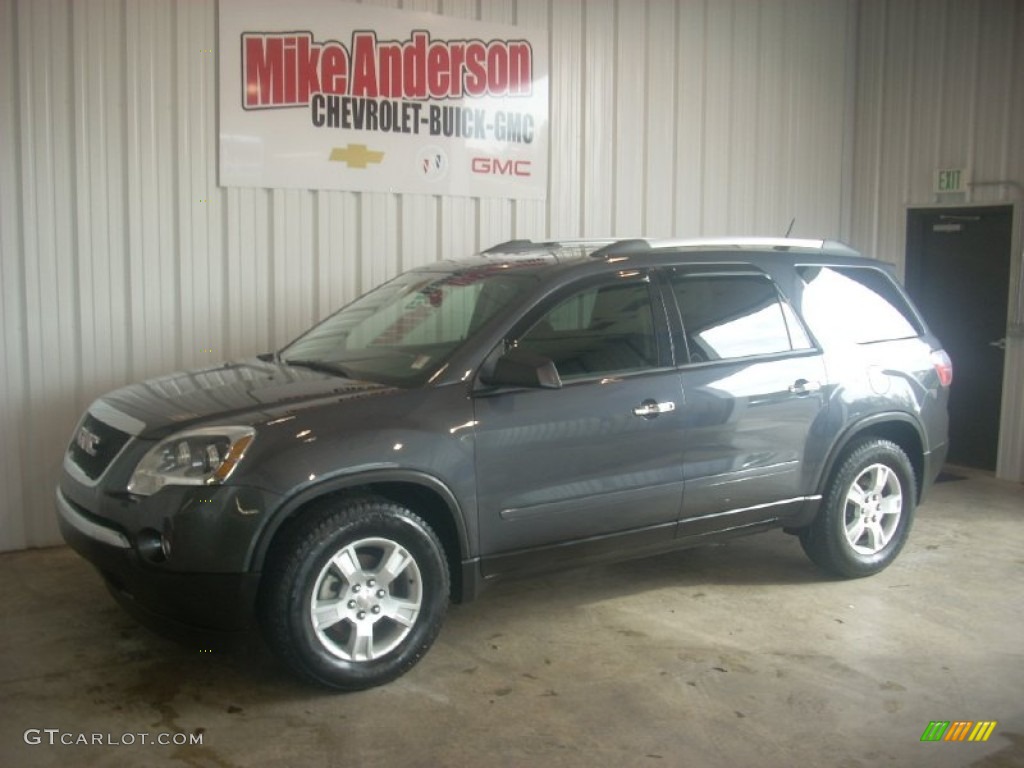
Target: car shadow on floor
pixel 775 559
pixel 154 666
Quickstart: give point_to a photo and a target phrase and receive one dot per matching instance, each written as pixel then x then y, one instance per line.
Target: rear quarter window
pixel 861 305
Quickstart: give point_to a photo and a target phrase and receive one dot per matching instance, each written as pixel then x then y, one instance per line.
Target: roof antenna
pixel 791 223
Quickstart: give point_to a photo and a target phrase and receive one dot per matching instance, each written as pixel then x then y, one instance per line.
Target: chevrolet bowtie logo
pixel 356 155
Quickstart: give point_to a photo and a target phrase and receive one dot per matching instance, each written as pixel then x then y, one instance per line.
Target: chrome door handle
pixel 804 387
pixel 999 343
pixel 651 408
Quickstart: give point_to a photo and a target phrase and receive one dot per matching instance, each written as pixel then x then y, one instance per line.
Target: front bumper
pixel 159 596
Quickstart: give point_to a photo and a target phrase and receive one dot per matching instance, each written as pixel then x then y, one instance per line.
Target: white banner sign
pixel 317 94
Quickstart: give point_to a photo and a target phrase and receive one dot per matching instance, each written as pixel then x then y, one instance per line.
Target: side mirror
pixel 519 368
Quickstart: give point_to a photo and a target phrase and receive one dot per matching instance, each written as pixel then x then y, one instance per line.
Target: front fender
pixel 341 482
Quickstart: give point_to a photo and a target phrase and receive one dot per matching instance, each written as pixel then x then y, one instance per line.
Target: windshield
pixel 404 331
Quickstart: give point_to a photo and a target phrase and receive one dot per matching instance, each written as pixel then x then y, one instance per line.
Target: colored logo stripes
pixel 959 730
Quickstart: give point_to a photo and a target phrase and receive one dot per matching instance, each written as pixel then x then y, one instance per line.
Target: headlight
pixel 194 457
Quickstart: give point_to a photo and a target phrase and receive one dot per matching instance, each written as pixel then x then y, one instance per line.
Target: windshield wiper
pixel 319 365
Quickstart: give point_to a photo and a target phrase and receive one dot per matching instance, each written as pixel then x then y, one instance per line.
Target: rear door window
pixel 734 315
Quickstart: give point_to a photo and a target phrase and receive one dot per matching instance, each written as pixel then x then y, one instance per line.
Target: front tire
pixel 867 512
pixel 355 593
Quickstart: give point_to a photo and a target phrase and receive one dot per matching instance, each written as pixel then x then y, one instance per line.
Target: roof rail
pixel 775 243
pixel 622 246
pixel 614 246
pixel 519 246
pixel 511 246
pixel 781 243
pixel 838 246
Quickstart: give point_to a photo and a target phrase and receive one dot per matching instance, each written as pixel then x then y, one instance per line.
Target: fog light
pixel 152 546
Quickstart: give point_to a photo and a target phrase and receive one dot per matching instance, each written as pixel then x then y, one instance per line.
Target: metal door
pixel 597 458
pixel 958 273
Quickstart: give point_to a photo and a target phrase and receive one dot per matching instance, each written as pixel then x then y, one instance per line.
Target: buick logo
pixel 432 163
pixel 87 441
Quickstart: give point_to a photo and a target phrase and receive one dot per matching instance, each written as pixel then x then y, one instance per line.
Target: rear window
pixel 859 304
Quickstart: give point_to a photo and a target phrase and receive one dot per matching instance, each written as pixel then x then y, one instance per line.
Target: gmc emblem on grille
pixel 87 441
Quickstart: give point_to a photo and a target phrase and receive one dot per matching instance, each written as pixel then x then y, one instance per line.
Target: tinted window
pixel 858 304
pixel 731 316
pixel 403 331
pixel 602 330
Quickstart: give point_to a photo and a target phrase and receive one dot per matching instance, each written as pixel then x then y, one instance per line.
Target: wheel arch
pixel 425 495
pixel 899 428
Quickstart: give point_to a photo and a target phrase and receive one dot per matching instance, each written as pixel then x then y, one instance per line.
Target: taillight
pixel 943 367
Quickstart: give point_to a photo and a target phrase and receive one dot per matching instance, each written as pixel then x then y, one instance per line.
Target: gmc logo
pixel 87 441
pixel 493 166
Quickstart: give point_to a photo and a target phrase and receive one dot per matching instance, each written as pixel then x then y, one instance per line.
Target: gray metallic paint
pixel 532 478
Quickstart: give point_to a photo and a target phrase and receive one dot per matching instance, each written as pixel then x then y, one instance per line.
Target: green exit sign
pixel 950 180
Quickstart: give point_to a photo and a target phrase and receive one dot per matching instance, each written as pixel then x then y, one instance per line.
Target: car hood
pixel 226 392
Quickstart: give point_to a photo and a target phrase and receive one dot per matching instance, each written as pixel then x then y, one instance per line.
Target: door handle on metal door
pixel 999 343
pixel 651 408
pixel 804 387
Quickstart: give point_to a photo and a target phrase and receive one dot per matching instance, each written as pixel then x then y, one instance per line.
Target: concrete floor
pixel 732 655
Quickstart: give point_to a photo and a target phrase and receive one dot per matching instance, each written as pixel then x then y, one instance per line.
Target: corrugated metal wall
pixel 121 258
pixel 940 84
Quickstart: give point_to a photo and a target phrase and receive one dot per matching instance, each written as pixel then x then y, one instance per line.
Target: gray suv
pixel 535 406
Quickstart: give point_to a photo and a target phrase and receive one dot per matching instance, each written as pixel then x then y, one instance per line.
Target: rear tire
pixel 355 594
pixel 867 511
